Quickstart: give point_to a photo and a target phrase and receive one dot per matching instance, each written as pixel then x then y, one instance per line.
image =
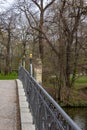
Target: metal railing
pixel 47 114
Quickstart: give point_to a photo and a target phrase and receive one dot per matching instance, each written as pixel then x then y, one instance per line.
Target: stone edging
pixel 25 115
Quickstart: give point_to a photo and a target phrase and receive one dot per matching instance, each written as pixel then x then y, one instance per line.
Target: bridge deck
pixel 9 107
pixel 9 114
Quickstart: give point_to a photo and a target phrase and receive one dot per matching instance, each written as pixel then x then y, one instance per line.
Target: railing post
pixel 23 61
pixel 31 68
pixel 38 71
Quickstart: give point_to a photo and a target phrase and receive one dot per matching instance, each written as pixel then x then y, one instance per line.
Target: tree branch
pixel 48 41
pixel 49 4
pixel 34 1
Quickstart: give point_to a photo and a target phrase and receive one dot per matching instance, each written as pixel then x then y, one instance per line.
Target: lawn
pixel 82 79
pixel 81 82
pixel 10 76
pixel 79 93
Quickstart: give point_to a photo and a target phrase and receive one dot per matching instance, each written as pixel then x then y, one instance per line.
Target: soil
pixel 51 91
pixel 83 93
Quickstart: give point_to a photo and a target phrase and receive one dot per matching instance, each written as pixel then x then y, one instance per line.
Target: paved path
pixel 9 115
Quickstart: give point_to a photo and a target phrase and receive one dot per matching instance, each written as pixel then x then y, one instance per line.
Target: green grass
pixel 10 76
pixel 82 80
pixel 78 95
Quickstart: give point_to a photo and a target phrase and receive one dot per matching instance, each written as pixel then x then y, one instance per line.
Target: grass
pixel 81 82
pixel 82 79
pixel 10 76
pixel 78 95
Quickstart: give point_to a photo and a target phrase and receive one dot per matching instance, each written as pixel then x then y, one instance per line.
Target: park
pixel 46 40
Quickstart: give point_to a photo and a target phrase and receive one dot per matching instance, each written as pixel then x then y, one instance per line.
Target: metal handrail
pixel 47 114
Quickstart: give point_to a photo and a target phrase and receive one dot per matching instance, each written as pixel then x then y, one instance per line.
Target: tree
pixel 25 7
pixel 7 24
pixel 68 17
pixel 64 26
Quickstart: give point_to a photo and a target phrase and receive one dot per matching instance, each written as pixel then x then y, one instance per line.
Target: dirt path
pixel 8 106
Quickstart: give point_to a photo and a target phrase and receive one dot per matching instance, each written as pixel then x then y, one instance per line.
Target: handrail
pixel 47 114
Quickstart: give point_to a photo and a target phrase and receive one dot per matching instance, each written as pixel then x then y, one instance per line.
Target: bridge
pixel 28 106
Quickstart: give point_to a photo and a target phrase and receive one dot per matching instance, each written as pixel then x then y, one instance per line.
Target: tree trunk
pixel 41 30
pixel 8 58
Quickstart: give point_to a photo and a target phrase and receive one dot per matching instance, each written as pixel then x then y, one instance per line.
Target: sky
pixel 4 4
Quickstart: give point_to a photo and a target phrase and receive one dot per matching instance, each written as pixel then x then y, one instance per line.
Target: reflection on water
pixel 80 121
pixel 79 115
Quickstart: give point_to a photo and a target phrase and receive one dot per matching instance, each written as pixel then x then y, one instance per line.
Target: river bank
pixel 78 96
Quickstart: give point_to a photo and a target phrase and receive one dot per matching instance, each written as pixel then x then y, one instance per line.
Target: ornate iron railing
pixel 47 114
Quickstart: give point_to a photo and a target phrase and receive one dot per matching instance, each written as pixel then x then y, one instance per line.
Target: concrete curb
pixel 25 115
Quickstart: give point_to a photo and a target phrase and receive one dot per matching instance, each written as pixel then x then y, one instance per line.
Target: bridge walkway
pixel 9 106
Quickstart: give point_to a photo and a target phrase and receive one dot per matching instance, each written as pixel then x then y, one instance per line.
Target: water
pixel 79 115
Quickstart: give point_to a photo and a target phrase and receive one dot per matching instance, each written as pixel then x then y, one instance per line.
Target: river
pixel 79 115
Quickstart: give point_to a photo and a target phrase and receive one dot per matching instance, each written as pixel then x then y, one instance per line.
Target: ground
pixel 77 98
pixel 83 93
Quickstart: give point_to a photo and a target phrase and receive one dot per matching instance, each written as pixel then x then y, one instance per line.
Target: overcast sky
pixel 5 4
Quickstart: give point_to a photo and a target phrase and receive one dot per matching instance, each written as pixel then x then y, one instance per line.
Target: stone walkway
pixel 9 114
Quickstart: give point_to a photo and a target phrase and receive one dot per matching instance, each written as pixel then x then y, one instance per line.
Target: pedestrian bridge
pixel 46 113
pixel 25 105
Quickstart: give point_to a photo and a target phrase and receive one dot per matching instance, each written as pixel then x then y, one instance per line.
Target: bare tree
pixel 63 25
pixel 7 26
pixel 37 23
pixel 68 16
